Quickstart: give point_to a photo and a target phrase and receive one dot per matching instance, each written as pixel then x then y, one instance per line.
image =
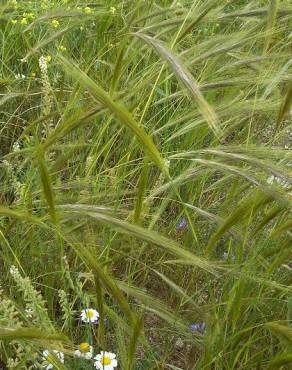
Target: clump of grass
pixel 145 193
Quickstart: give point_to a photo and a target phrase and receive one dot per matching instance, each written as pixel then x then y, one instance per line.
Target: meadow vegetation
pixel 145 184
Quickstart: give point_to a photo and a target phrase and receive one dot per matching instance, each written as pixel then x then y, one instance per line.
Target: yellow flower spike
pixel 48 58
pixel 62 48
pixel 87 10
pixel 55 23
pixel 113 9
pixel 23 21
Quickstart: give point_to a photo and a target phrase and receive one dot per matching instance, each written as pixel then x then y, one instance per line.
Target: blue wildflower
pixel 198 327
pixel 182 224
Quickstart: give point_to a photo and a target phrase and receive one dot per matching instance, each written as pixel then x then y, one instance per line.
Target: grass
pixel 146 173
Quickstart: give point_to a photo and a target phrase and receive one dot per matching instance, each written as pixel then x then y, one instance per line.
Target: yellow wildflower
pixel 23 21
pixel 14 21
pixel 55 23
pixel 87 10
pixel 48 58
pixel 62 48
pixel 113 9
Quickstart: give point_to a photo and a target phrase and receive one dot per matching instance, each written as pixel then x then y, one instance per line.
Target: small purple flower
pixel 198 327
pixel 182 224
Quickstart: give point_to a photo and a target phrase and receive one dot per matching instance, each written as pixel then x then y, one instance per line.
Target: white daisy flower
pixel 50 358
pixel 89 315
pixel 84 350
pixel 105 361
pixel 28 313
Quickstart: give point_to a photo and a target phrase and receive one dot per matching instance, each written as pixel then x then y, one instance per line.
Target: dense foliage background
pixel 146 173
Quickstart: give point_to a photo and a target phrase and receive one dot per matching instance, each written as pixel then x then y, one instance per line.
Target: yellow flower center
pixel 90 314
pixel 106 361
pixel 84 347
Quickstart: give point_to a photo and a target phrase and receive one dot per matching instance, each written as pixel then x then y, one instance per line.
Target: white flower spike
pixel 105 361
pixel 13 270
pixel 84 350
pixel 49 358
pixel 89 315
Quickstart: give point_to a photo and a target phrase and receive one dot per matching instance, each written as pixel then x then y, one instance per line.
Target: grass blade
pixel 141 192
pixel 285 108
pixel 197 20
pixel 137 329
pixel 46 183
pixel 272 17
pixel 108 282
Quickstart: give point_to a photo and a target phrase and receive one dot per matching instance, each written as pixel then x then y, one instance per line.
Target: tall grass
pixel 146 172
